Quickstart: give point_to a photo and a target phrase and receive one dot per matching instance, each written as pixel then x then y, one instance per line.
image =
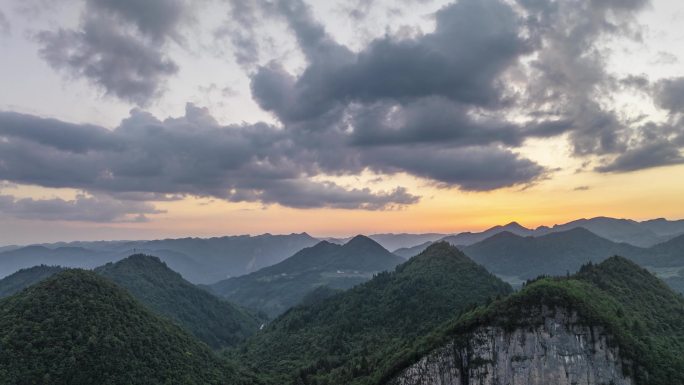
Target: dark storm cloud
pixel 145 158
pixel 120 46
pixel 471 168
pixel 416 97
pixel 82 208
pixel 60 135
pixel 473 43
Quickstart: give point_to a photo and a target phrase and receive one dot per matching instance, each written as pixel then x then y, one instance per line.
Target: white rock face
pixel 560 351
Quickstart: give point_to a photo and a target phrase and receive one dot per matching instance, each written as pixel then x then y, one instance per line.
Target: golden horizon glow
pixel 565 196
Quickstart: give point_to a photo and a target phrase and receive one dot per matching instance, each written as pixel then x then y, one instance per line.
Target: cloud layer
pixel 453 106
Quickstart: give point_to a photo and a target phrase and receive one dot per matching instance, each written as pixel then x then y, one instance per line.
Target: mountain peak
pixel 96 309
pixel 515 225
pixel 441 250
pixel 362 240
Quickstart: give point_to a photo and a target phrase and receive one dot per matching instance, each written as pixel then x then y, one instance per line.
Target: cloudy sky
pixel 153 118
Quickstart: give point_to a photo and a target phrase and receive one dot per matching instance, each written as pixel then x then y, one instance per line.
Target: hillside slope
pixel 342 339
pixel 276 288
pixel 24 278
pixel 216 322
pixel 78 328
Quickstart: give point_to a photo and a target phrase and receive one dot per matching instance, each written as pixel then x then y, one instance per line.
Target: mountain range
pixel 641 234
pixel 343 338
pixel 198 260
pixel 440 316
pixel 209 260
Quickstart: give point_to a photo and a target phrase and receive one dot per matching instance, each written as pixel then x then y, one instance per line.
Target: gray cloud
pixel 473 43
pixel 398 93
pixel 471 168
pixel 5 26
pixel 569 75
pixel 650 155
pixel 242 30
pixel 145 158
pixel 156 18
pixel 670 94
pixel 82 208
pixel 120 46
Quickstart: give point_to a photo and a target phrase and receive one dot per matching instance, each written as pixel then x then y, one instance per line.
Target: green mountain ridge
pixel 78 328
pixel 342 338
pixel 216 322
pixel 276 288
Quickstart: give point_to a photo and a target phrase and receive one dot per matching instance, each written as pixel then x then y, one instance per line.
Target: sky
pixel 138 119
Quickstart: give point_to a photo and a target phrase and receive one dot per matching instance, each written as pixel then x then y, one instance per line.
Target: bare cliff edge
pixel 559 350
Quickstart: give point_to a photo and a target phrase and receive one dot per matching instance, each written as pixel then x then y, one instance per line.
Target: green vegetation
pixel 644 317
pixel 78 328
pixel 276 288
pixel 345 338
pixel 24 278
pixel 216 322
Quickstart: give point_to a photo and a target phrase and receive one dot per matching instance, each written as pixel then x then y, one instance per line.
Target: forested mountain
pixel 216 322
pixel 276 288
pixel 623 326
pixel 78 328
pixel 343 339
pixel 24 278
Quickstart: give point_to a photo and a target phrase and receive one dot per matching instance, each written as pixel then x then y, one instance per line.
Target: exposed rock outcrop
pixel 559 350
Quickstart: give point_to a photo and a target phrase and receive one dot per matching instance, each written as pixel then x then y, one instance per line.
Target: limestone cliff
pixel 557 350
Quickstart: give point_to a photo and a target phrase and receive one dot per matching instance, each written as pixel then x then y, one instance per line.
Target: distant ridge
pixel 199 260
pixel 276 288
